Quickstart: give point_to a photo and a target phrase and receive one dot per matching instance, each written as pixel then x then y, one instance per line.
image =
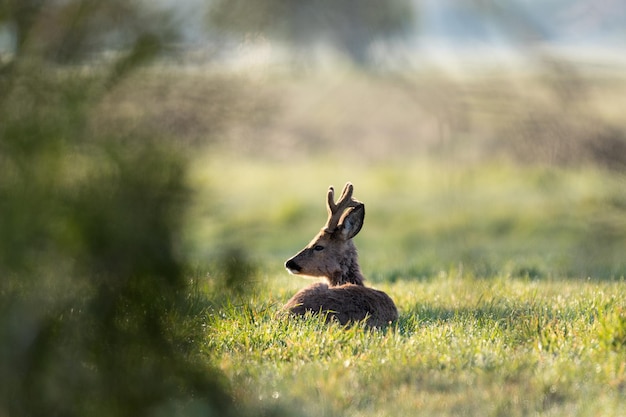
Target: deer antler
pixel 336 211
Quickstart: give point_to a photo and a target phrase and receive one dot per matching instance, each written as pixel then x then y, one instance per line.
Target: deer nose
pixel 293 267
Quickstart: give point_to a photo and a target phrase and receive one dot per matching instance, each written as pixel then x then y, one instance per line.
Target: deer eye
pixel 318 248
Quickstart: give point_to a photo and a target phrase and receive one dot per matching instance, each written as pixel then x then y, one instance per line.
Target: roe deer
pixel 332 255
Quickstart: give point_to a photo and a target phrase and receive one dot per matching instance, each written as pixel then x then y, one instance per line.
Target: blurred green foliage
pixel 96 313
pixel 75 30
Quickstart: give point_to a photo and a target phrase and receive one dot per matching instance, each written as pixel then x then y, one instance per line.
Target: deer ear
pixel 352 222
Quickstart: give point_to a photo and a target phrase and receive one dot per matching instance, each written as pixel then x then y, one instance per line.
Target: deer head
pixel 332 253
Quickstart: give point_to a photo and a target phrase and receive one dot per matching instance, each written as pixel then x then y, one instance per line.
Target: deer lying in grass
pixel 332 255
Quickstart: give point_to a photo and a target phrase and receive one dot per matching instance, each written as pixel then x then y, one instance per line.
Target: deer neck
pixel 350 272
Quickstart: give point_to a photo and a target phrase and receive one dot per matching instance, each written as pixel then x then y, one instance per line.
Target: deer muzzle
pixel 293 267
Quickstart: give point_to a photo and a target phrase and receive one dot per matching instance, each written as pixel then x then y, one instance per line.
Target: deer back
pixel 345 303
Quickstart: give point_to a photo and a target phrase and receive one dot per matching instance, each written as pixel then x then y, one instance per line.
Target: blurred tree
pixel 350 25
pixel 65 31
pixel 95 313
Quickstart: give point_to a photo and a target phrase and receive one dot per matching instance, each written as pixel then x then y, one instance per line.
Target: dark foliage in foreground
pixel 94 305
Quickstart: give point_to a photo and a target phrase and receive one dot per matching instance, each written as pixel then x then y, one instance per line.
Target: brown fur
pixel 332 255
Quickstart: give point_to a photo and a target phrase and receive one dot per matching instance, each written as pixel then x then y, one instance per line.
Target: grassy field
pixel 422 216
pixel 495 347
pixel 506 259
pixel 509 280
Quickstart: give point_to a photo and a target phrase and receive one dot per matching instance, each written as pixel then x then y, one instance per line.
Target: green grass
pixel 509 281
pixel 462 346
